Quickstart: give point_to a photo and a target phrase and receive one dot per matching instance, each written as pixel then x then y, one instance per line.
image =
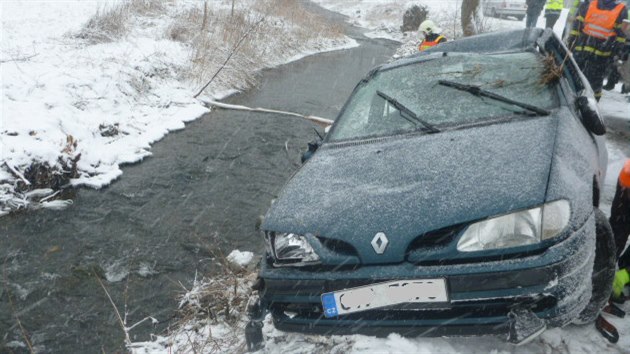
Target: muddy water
pixel 152 229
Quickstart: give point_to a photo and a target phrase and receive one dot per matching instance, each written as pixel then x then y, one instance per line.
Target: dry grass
pixel 113 23
pixel 272 28
pixel 217 303
pixel 552 71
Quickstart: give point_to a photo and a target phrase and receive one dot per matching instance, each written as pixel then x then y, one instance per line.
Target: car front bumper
pixel 555 285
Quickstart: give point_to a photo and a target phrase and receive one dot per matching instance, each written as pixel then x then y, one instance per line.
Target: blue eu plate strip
pixel 330 305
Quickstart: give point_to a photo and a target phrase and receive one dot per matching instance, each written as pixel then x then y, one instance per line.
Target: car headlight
pixel 290 249
pixel 522 228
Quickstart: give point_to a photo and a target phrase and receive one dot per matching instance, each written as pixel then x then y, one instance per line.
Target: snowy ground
pixel 64 97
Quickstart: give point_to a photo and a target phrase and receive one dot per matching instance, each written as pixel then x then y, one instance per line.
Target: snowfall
pixel 60 95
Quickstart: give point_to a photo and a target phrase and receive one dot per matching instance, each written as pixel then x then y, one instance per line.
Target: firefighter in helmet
pixel 597 37
pixel 432 35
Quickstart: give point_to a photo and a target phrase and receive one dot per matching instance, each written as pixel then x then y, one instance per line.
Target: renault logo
pixel 379 243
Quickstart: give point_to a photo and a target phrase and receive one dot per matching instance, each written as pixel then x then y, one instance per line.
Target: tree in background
pixel 469 14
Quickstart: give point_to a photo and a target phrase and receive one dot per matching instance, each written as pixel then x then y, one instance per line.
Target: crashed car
pixel 456 194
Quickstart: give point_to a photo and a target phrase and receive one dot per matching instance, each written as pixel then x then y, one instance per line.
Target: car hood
pixel 405 186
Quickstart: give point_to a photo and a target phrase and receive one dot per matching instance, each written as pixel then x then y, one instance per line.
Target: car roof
pixel 496 42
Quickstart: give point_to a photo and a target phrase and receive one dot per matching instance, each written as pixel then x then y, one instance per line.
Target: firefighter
pixel 553 8
pixel 570 19
pixel 596 37
pixel 432 35
pixel 620 223
pixel 618 65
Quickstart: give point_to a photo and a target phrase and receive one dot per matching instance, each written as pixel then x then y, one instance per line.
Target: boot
pixel 609 85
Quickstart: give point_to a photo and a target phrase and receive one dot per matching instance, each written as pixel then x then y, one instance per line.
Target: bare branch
pixel 120 319
pixel 15 314
pixel 232 52
pixel 26 58
pixel 17 174
pixel 323 122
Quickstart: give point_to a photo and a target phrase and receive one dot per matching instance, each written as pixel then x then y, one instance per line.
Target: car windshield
pixel 413 97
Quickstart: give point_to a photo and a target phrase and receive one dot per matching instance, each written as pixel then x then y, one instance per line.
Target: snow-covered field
pixel 115 99
pixel 104 103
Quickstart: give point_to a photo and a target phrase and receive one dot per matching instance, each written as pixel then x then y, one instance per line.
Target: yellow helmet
pixel 429 26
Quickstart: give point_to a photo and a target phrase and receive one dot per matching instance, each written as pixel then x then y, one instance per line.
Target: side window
pixel 573 77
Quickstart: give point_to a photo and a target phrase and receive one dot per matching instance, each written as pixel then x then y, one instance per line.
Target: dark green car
pixel 456 194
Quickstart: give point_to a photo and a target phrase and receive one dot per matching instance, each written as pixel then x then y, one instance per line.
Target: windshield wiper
pixel 478 91
pixel 401 107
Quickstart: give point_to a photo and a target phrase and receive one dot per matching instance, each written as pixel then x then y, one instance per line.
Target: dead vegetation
pixel 41 183
pixel 275 29
pixel 552 72
pixel 112 23
pixel 256 35
pixel 213 312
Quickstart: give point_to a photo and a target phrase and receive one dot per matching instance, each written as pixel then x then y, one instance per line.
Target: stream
pixel 166 219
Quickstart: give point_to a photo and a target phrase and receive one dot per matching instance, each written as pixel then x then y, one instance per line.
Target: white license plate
pixel 384 294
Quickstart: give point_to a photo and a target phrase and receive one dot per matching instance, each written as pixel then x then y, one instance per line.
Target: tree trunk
pixel 204 23
pixel 469 13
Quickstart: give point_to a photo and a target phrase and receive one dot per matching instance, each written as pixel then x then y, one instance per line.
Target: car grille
pixel 418 312
pixel 436 239
pixel 338 246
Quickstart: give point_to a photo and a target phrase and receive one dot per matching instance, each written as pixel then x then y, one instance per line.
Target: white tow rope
pixel 324 122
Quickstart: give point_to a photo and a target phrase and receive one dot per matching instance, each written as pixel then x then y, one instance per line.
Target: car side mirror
pixel 312 147
pixel 591 118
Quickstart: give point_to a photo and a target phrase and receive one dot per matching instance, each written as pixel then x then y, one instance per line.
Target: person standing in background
pixel 573 8
pixel 534 8
pixel 553 8
pixel 596 38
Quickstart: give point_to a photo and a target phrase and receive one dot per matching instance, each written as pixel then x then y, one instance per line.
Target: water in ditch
pixel 151 231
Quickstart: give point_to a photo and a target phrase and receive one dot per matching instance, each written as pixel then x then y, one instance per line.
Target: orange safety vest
pixel 624 176
pixel 428 44
pixel 601 23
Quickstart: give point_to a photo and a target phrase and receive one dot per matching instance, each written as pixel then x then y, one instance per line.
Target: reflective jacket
pixel 600 23
pixel 598 28
pixel 431 41
pixel 554 5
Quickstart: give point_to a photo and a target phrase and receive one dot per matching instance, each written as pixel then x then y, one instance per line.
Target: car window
pixel 415 87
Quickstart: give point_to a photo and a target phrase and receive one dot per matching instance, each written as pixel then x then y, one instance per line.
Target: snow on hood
pixel 405 186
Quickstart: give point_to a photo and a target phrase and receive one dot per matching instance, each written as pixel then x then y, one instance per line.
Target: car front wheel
pixel 603 269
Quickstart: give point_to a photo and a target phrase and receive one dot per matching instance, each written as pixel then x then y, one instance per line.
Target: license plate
pixel 380 295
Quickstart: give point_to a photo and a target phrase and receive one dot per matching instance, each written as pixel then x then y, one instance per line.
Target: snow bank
pixel 102 104
pixel 240 258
